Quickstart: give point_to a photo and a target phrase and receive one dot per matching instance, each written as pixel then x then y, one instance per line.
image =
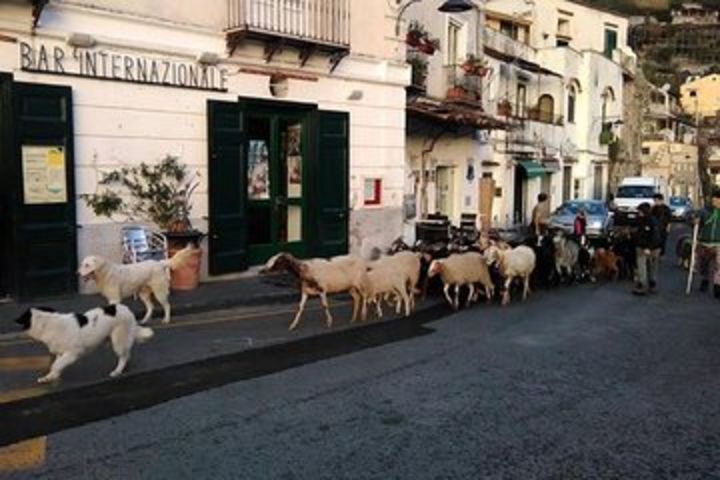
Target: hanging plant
pixel 430 45
pixel 504 108
pixel 419 69
pixel 416 34
pixel 606 135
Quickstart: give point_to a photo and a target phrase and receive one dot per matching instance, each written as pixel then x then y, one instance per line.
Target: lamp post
pixel 449 6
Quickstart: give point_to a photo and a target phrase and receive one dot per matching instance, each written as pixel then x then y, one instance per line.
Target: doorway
pixel 445 181
pixel 520 195
pixel 37 195
pixel 276 147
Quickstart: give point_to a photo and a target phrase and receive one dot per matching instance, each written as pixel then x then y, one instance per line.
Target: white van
pixel 632 192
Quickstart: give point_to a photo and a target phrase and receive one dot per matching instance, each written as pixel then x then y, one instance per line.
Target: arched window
pixel 546 108
pixel 572 95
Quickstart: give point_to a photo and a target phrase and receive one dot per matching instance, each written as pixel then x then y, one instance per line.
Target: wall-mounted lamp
pixel 449 6
pixel 80 40
pixel 208 58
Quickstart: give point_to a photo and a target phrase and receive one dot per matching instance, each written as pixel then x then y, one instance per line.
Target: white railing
pixel 322 21
pixel 508 45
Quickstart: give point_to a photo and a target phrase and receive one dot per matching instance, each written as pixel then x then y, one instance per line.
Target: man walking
pixel 707 256
pixel 663 215
pixel 541 216
pixel 647 250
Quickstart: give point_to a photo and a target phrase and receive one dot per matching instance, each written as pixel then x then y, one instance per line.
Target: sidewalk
pixel 249 291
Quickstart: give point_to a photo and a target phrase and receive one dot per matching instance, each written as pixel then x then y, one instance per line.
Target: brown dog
pixel 606 264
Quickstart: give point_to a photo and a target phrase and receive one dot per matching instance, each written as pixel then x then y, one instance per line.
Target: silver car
pixel 681 208
pixel 599 218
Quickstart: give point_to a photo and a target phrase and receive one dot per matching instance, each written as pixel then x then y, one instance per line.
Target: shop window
pixel 373 191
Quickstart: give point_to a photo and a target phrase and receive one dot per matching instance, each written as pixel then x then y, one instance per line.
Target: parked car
pixel 599 218
pixel 681 208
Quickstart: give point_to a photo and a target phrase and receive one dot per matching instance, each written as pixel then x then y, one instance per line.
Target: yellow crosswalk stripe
pixel 23 455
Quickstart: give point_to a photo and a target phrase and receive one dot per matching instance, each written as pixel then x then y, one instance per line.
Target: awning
pixel 532 169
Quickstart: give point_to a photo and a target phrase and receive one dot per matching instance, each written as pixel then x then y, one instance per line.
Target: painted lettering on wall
pixel 100 64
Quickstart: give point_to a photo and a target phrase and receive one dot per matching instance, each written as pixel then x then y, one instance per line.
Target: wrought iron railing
pixel 321 21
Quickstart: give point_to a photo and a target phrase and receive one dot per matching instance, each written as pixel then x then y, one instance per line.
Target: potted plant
pixel 430 45
pixel 474 66
pixel 504 108
pixel 158 194
pixel 419 68
pixel 416 34
pixel 458 92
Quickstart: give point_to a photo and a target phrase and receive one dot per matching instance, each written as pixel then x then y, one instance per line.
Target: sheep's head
pixel 279 263
pixel 493 254
pixel 436 267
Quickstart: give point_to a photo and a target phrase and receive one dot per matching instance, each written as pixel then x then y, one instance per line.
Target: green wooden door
pixel 227 188
pixel 7 185
pixel 277 155
pixel 332 183
pixel 42 200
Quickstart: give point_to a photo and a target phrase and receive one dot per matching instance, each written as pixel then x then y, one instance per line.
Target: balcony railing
pixel 324 22
pixel 502 43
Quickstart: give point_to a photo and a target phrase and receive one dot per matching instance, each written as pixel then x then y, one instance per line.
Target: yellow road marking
pixel 25 363
pixel 21 393
pixel 23 455
pixel 193 323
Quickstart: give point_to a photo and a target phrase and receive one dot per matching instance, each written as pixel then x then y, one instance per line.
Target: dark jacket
pixel 648 234
pixel 663 214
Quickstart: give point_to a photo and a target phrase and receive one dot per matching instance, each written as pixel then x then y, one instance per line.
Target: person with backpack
pixel 648 240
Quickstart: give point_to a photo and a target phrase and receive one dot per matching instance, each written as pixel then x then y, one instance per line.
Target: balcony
pixel 309 25
pixel 507 45
pixel 461 86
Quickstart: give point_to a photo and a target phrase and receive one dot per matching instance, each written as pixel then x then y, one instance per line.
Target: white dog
pixel 70 336
pixel 117 282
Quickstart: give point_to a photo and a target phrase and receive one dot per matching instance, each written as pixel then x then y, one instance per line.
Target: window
pixel 646 150
pixel 546 109
pixel 373 191
pixel 571 104
pixel 521 100
pixel 509 29
pixel 611 42
pixel 454 31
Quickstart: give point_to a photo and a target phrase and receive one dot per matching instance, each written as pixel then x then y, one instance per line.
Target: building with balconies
pixel 291 111
pixel 561 70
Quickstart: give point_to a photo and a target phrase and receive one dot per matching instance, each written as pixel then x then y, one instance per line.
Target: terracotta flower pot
pixel 186 277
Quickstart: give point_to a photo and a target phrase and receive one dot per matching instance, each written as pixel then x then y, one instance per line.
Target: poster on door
pixel 258 170
pixel 294 160
pixel 44 177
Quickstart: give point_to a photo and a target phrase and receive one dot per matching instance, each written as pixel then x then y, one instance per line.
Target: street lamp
pixel 449 6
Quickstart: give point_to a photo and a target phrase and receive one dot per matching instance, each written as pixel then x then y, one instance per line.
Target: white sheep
pixel 516 263
pixel 380 281
pixel 408 265
pixel 319 276
pixel 462 269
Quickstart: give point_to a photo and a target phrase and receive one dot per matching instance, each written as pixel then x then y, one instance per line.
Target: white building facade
pixel 553 84
pixel 97 85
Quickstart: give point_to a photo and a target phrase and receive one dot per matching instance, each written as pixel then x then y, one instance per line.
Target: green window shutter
pixel 610 42
pixel 332 183
pixel 227 183
pixel 45 246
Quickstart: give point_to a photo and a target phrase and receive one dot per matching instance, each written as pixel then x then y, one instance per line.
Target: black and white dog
pixel 69 336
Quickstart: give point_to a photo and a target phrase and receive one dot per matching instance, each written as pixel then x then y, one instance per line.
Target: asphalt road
pixel 580 382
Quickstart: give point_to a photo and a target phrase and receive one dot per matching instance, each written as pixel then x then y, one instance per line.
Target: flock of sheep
pixel 396 277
